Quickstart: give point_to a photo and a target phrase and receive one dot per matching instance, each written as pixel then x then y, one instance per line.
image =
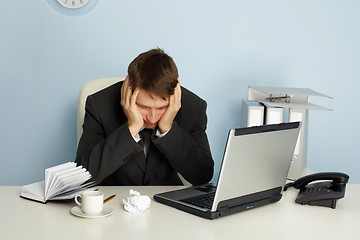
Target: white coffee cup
pixel 92 202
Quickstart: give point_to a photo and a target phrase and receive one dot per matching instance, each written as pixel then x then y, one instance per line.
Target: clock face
pixel 73 3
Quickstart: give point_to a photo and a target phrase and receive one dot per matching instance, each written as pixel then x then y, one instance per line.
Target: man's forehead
pixel 148 99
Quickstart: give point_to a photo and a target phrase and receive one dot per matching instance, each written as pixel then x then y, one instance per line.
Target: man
pixel 114 147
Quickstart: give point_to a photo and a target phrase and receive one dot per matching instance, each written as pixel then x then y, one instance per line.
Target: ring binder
pixel 273 98
pixel 296 100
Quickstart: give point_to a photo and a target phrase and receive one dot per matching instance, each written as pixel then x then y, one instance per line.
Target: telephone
pixel 323 193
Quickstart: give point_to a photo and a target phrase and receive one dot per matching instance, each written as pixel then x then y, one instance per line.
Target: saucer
pixel 107 211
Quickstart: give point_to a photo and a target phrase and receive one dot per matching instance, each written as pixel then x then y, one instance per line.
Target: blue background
pixel 220 47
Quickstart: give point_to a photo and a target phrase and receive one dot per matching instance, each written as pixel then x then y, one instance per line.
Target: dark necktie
pixel 146 137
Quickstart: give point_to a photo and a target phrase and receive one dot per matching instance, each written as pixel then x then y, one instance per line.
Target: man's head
pixel 155 72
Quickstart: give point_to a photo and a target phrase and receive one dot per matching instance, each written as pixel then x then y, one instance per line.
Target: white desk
pixel 24 219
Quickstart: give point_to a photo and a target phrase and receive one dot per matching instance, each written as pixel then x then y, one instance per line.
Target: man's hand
pixel 128 103
pixel 167 119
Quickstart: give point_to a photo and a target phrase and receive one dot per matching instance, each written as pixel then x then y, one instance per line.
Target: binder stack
pixel 271 105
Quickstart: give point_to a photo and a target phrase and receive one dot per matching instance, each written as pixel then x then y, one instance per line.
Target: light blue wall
pixel 220 47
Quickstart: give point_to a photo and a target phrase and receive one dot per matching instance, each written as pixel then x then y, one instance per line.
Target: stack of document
pixel 64 181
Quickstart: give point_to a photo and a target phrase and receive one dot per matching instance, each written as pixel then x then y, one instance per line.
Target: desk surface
pixel 21 219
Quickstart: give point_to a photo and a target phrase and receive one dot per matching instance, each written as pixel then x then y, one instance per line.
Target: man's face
pixel 151 107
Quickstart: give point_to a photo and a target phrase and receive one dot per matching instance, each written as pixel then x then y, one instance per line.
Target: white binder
pixel 252 114
pixel 296 100
pixel 274 115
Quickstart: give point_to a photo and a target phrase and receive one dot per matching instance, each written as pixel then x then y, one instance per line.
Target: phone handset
pixel 320 193
pixel 339 180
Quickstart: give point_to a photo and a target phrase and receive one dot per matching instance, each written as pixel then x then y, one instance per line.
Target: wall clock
pixel 73 3
pixel 73 7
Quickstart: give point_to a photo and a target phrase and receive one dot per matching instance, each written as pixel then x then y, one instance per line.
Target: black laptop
pixel 253 173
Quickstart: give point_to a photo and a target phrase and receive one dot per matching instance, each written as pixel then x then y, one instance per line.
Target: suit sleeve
pixel 101 155
pixel 189 152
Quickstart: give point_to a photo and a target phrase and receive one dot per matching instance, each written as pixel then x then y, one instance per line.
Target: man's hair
pixel 155 72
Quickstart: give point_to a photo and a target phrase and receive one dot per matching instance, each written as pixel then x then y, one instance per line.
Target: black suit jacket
pixel 107 149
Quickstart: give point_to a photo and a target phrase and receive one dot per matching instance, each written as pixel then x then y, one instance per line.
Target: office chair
pixel 93 87
pixel 88 89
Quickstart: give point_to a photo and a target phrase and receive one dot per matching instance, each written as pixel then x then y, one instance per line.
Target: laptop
pixel 253 173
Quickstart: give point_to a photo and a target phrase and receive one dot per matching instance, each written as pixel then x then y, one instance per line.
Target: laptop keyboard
pixel 203 201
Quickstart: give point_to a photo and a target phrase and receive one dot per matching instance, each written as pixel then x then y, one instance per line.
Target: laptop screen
pixel 256 159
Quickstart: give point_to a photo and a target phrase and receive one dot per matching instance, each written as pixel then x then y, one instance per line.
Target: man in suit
pixel 114 147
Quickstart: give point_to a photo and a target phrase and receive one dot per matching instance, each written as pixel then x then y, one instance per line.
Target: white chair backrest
pixel 88 89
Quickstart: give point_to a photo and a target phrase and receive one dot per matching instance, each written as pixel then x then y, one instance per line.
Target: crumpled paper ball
pixel 136 202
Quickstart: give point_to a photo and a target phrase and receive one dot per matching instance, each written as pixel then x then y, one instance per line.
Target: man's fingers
pixel 127 95
pixel 177 96
pixel 125 84
pixel 134 96
pixel 124 91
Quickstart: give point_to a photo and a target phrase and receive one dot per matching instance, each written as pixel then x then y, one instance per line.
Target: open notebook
pixel 64 181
